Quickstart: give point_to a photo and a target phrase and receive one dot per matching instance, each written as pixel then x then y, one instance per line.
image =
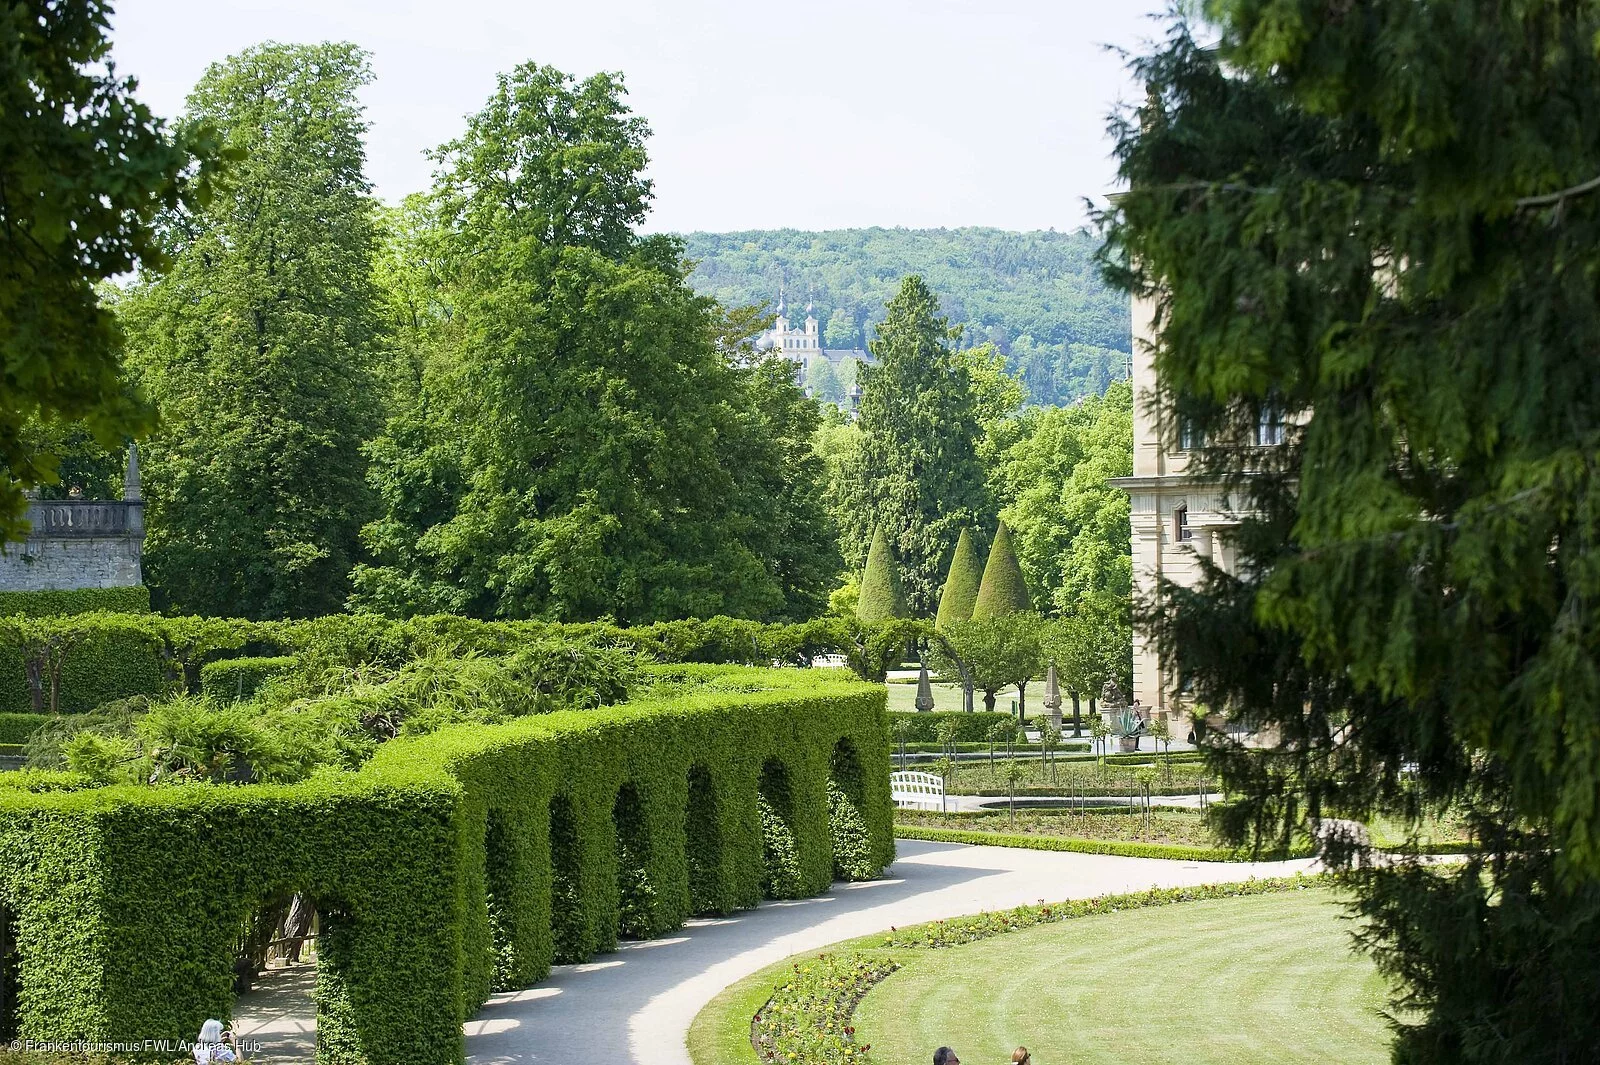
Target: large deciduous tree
pixel 1070 526
pixel 84 170
pixel 917 475
pixel 258 346
pixel 585 436
pixel 1382 217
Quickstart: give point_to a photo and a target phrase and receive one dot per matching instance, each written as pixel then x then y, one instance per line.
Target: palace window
pixel 1181 529
pixel 1269 427
pixel 1190 435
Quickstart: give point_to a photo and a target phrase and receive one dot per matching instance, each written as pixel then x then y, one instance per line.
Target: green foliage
pixel 1003 590
pixel 433 868
pixel 917 476
pixel 134 600
pixel 1035 296
pixel 995 653
pixel 882 595
pixel 258 346
pixel 1380 224
pixel 961 583
pixel 1070 528
pixel 84 168
pixel 576 433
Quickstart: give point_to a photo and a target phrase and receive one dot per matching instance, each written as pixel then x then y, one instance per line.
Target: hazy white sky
pixel 814 115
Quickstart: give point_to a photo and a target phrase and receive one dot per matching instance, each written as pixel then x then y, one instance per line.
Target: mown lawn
pixel 1247 981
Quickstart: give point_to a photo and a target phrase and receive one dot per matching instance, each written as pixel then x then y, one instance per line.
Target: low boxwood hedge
pixel 238 678
pixel 450 866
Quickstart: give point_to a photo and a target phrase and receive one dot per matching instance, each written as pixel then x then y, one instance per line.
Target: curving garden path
pixel 636 1005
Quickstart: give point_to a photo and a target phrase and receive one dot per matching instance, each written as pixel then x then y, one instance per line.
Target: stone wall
pixel 80 543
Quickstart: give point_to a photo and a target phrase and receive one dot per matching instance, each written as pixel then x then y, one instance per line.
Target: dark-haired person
pixel 945 1056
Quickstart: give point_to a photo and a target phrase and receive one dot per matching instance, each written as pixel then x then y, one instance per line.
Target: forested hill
pixel 1036 295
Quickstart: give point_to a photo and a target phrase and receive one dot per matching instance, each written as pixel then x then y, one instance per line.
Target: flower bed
pixel 807 1019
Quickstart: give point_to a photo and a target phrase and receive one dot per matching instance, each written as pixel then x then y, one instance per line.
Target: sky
pixel 812 114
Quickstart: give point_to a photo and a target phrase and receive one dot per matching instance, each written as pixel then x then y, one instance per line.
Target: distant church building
pixel 80 543
pixel 803 344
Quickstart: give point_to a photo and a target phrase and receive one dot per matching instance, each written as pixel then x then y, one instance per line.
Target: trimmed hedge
pixel 238 678
pixel 924 728
pixel 1126 849
pixel 434 868
pixel 75 601
pixel 113 656
pixel 16 728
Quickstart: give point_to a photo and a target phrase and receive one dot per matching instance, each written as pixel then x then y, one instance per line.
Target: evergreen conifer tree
pixel 1003 590
pixel 917 476
pixel 1378 223
pixel 882 596
pixel 962 583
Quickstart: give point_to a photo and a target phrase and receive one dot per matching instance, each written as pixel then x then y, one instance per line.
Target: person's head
pixel 1020 1056
pixel 211 1031
pixel 945 1056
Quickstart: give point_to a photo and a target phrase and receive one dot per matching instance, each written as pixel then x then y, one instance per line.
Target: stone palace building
pixel 1176 519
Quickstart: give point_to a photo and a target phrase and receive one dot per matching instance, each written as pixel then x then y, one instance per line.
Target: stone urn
pixel 1128 744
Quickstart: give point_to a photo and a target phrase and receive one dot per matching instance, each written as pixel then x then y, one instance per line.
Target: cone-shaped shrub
pixel 1002 591
pixel 961 583
pixel 881 594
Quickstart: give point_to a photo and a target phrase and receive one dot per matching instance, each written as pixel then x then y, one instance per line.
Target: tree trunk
pixel 1022 701
pixel 1077 717
pixel 988 700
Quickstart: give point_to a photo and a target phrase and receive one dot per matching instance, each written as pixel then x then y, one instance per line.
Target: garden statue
pixel 1052 696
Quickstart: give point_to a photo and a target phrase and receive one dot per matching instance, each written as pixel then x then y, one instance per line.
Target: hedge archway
pixel 636 894
pixel 847 829
pixel 780 853
pixel 702 835
pixel 566 901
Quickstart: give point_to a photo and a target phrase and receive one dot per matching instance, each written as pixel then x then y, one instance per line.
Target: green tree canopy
pixel 84 171
pixel 1003 590
pixel 822 382
pixel 581 434
pixel 998 651
pixel 917 476
pixel 1069 526
pixel 882 595
pixel 259 346
pixel 961 583
pixel 1382 219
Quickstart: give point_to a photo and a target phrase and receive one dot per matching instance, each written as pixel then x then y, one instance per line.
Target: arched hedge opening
pixel 780 853
pixel 10 974
pixel 702 836
pixel 636 895
pixel 566 901
pixel 847 829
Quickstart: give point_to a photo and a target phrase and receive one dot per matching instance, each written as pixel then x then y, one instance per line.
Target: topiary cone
pixel 1003 590
pixel 881 594
pixel 961 583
